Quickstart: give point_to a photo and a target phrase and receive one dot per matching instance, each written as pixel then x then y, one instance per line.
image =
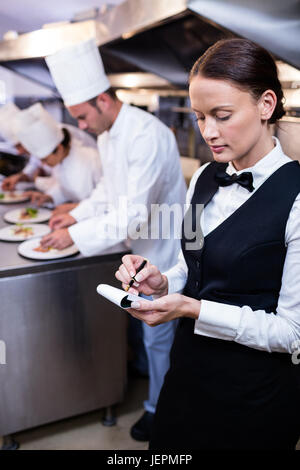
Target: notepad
pixel 117 296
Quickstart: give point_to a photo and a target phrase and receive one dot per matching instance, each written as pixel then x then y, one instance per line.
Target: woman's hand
pixel 165 309
pixel 149 281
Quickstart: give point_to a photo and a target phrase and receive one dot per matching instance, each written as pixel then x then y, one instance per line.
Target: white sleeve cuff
pixel 56 194
pixel 218 320
pixel 84 210
pixel 175 284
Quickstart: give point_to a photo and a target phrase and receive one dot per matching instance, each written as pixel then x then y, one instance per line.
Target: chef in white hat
pixel 8 113
pixel 34 166
pixel 76 168
pixel 140 162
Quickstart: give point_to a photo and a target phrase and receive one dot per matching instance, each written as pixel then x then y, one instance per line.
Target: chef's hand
pixel 9 183
pixel 61 221
pixel 150 281
pixel 165 309
pixel 38 198
pixel 59 239
pixel 64 208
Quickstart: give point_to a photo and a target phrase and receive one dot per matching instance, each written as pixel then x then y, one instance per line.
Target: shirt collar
pixel 119 122
pixel 266 165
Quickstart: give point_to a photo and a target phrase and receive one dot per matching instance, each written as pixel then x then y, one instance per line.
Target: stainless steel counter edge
pixel 70 262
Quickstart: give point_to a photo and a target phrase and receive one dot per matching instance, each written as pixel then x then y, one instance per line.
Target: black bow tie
pixel 244 179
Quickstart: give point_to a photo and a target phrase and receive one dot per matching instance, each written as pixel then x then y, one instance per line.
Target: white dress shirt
pixel 141 164
pixel 256 329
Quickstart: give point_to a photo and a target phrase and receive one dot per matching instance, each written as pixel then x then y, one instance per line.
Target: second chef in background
pixel 141 166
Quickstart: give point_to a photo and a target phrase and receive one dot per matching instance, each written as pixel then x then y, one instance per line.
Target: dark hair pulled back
pixel 66 142
pixel 245 64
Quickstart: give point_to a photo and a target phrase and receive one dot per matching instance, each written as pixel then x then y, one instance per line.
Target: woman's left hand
pixel 165 309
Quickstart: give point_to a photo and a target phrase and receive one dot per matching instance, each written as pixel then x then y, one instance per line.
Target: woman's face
pixel 230 120
pixel 54 158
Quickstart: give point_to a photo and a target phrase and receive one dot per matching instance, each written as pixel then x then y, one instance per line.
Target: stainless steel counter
pixel 65 345
pixel 11 263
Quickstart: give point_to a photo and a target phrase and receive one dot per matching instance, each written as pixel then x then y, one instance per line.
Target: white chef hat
pixel 8 113
pixel 78 72
pixel 37 131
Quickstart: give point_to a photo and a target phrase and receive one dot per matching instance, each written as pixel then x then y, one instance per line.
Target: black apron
pixel 219 394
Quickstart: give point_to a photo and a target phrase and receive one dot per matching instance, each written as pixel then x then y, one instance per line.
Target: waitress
pixel 231 383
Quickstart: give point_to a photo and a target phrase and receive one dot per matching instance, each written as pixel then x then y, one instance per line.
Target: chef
pixel 8 113
pixel 76 168
pixel 140 163
pixel 34 167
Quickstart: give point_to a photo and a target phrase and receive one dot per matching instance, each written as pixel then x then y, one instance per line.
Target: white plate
pixel 43 215
pixel 7 233
pixel 12 197
pixel 27 249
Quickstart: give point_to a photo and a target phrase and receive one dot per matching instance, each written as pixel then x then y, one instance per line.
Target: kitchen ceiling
pixel 28 15
pixel 163 37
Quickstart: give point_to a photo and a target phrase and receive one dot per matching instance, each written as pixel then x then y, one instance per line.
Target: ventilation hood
pixel 161 37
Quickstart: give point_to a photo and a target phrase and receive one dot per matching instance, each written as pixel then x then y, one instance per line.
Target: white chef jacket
pixel 34 162
pixel 8 147
pixel 140 162
pixel 257 329
pixel 76 176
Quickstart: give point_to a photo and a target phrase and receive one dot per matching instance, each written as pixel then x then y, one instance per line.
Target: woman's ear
pixel 267 104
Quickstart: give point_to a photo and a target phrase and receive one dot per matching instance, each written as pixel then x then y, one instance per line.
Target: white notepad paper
pixel 117 296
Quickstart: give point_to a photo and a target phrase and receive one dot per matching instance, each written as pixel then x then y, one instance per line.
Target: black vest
pixel 241 261
pixel 245 395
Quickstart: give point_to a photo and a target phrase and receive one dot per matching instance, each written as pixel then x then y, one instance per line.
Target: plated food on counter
pixel 32 249
pixel 28 214
pixel 21 232
pixel 12 197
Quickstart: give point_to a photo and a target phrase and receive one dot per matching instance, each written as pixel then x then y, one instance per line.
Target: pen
pixel 142 265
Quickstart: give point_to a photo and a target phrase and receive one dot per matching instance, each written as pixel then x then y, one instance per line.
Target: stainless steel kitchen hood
pixel 163 37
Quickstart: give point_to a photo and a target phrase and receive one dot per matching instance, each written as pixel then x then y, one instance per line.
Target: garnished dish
pixel 22 230
pixel 29 213
pixel 12 197
pixel 42 249
pixel 32 249
pixel 10 194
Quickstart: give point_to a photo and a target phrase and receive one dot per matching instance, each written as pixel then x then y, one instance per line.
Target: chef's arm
pixel 131 215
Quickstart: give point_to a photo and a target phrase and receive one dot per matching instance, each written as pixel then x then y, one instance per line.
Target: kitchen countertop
pixel 13 264
pixel 65 345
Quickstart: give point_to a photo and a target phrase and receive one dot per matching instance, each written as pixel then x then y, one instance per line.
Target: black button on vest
pixel 241 261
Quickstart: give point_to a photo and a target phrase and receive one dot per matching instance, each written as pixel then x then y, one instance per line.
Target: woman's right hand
pixel 149 281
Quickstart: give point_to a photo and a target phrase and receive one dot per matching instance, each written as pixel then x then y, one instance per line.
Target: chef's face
pixel 232 122
pixel 56 157
pixel 90 118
